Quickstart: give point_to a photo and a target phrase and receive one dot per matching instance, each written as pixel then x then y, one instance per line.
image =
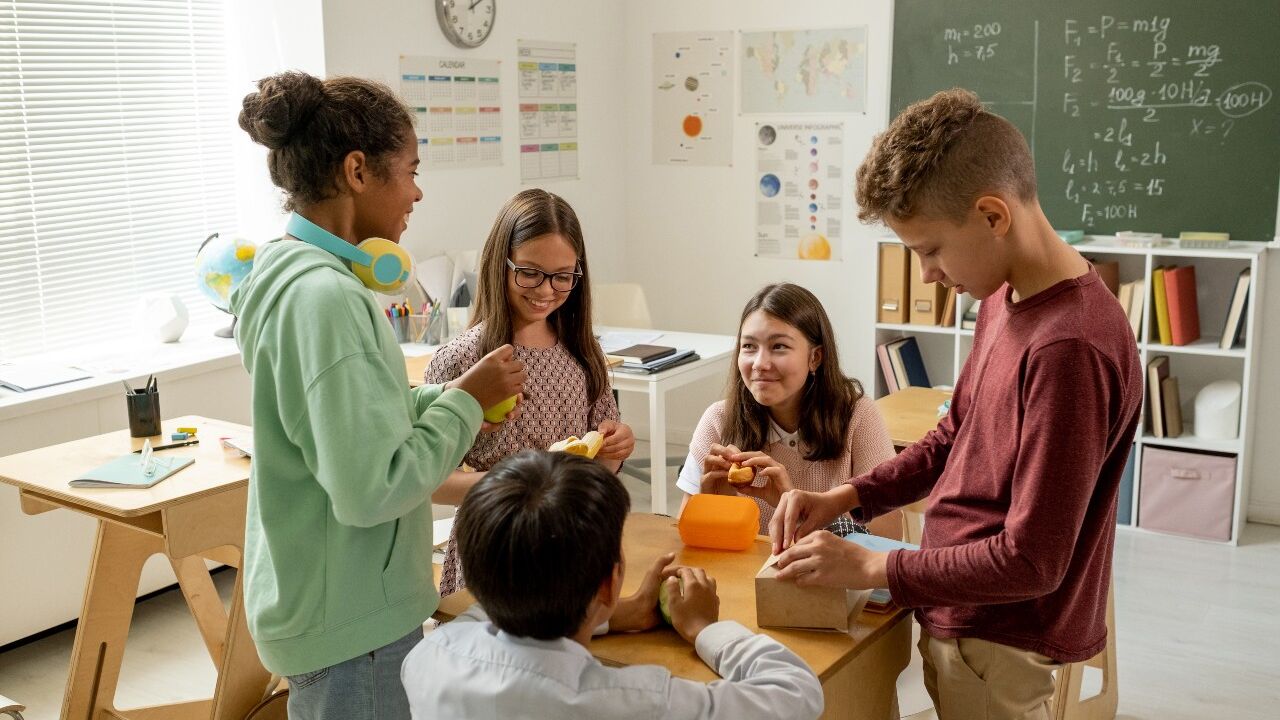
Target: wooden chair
pixel 11 708
pixel 1067 704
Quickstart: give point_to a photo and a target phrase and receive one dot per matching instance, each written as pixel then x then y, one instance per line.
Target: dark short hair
pixel 536 536
pixel 310 125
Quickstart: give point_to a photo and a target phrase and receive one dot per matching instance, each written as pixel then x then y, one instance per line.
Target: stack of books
pixel 902 364
pixel 1164 405
pixel 1177 309
pixel 644 359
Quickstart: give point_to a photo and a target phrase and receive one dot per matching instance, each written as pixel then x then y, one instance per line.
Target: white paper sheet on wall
pixel 693 98
pixel 548 79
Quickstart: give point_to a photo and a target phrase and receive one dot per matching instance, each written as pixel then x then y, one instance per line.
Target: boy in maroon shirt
pixel 1022 474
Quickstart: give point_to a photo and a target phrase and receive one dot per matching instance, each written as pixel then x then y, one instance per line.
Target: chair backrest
pixel 620 305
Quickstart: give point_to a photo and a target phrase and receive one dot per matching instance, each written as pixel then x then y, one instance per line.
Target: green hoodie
pixel 338 536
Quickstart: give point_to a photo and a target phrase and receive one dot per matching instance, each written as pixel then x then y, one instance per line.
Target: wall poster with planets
pixel 798 184
pixel 693 88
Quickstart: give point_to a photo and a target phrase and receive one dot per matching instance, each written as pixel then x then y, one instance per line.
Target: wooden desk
pixel 197 513
pixel 911 413
pixel 858 670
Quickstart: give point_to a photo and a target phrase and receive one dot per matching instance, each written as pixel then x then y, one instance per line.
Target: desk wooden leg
pixel 867 687
pixel 242 681
pixel 118 556
pixel 202 598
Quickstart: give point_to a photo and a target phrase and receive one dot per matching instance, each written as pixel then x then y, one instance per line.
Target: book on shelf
pixel 1157 371
pixel 886 368
pixel 970 319
pixel 894 283
pixel 1160 331
pixel 907 363
pixel 1134 310
pixel 1126 301
pixel 949 309
pixel 1172 406
pixel 1233 330
pixel 1184 307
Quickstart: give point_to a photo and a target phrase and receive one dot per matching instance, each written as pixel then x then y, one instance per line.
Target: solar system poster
pixel 693 89
pixel 798 184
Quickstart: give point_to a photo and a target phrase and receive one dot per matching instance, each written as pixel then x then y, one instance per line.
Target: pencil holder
pixel 410 328
pixel 144 413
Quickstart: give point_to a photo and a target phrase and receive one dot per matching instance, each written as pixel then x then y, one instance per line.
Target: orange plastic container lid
pixel 720 522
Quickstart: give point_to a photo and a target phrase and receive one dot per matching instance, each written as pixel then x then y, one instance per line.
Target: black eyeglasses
pixel 531 277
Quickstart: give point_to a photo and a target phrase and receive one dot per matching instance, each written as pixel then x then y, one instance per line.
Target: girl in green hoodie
pixel 338 535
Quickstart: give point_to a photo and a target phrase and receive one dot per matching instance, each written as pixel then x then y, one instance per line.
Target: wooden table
pixel 859 670
pixel 911 413
pixel 195 514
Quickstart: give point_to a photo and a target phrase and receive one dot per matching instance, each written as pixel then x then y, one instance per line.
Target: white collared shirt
pixel 468 668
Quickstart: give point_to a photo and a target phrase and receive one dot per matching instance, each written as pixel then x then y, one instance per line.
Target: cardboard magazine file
pixel 783 604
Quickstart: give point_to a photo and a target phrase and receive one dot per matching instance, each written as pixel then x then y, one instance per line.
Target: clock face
pixel 467 23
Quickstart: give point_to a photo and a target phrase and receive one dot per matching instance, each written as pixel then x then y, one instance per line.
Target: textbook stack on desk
pixel 641 354
pixel 678 357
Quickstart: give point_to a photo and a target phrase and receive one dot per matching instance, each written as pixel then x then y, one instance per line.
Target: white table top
pixel 712 349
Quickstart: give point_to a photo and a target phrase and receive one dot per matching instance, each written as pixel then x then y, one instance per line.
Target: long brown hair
pixel 829 396
pixel 528 215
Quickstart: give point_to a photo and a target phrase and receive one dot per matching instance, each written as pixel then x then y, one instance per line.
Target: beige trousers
pixel 971 679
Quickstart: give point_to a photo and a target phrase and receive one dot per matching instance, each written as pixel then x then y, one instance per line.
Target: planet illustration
pixel 766 135
pixel 770 185
pixel 813 184
pixel 692 125
pixel 666 85
pixel 814 247
pixel 691 83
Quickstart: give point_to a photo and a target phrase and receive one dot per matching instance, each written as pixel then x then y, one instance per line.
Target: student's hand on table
pixel 800 512
pixel 496 377
pixel 693 602
pixel 488 427
pixel 777 480
pixel 715 471
pixel 823 559
pixel 619 440
pixel 639 611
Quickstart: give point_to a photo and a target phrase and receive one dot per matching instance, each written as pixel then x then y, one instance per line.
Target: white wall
pixel 367 39
pixel 690 230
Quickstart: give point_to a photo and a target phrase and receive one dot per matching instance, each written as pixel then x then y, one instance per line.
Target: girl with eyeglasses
pixel 535 294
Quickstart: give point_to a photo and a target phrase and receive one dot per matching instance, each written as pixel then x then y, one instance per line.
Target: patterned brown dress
pixel 555 406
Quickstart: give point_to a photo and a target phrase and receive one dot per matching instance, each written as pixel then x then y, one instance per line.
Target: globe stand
pixel 228 331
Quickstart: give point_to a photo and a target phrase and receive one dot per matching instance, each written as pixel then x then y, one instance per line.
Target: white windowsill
pixel 128 359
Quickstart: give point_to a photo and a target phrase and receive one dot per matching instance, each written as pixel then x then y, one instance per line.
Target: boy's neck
pixel 1042 260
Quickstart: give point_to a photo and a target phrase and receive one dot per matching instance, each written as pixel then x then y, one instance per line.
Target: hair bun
pixel 281 107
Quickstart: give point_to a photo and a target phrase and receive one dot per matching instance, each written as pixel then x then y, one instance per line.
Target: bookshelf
pixel 945 349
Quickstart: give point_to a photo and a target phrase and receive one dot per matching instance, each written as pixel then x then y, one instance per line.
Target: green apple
pixel 664 601
pixel 498 413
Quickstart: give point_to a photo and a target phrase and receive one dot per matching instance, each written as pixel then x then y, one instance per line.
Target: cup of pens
pixel 410 326
pixel 144 409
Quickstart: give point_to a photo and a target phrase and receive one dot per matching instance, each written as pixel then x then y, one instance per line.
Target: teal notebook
pixel 127 472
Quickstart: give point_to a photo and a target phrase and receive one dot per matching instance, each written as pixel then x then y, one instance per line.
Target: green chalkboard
pixel 1150 115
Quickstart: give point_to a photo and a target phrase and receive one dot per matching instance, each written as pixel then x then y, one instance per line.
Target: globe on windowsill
pixel 222 263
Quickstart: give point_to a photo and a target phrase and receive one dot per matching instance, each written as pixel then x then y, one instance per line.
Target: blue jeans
pixel 363 688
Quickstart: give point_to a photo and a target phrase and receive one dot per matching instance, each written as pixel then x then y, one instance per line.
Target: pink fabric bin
pixel 1187 493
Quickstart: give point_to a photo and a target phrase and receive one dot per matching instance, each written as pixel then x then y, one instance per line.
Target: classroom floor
pixel 1196 623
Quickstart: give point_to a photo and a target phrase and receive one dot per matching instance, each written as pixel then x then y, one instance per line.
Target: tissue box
pixel 783 604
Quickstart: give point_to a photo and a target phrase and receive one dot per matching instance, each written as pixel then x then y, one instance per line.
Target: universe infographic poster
pixel 798 190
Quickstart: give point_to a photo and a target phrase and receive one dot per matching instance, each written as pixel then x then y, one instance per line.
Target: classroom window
pixel 115 163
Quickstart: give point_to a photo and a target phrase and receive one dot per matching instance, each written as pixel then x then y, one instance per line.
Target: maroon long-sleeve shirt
pixel 1022 476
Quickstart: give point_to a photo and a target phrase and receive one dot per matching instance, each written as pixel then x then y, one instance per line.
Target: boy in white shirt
pixel 540 539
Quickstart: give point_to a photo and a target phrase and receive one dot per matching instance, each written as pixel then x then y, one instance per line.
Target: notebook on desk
pixel 641 354
pixel 130 471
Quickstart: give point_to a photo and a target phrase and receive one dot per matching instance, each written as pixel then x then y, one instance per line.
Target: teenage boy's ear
pixel 355 171
pixel 611 588
pixel 996 213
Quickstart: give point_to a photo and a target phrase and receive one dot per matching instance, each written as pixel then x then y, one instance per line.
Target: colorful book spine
pixel 1184 307
pixel 1160 301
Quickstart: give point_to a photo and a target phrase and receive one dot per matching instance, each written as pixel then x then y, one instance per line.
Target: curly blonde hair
pixel 940 154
